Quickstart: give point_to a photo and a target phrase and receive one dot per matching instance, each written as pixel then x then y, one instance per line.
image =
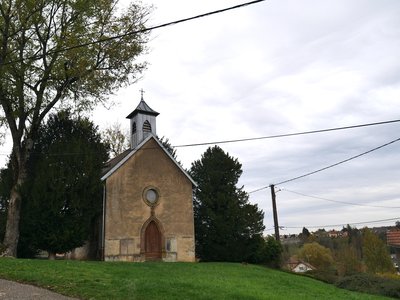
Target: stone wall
pixel 127 213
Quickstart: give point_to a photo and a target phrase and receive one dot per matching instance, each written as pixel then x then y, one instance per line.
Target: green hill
pixel 105 280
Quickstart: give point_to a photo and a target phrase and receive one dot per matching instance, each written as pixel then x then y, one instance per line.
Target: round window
pixel 150 196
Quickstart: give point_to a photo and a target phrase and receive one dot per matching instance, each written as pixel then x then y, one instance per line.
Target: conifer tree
pixel 63 195
pixel 227 226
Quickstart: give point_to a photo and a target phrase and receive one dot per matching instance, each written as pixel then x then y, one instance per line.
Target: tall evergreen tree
pixel 62 198
pixel 227 226
pixel 167 145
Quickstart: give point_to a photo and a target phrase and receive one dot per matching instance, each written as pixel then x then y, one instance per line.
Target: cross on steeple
pixel 142 92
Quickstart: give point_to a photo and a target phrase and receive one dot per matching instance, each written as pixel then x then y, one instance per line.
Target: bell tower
pixel 142 122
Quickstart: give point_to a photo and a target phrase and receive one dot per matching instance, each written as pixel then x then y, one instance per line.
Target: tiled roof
pixel 114 161
pixel 293 263
pixel 393 237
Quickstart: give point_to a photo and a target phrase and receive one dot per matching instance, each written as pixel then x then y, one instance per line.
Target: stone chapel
pixel 147 199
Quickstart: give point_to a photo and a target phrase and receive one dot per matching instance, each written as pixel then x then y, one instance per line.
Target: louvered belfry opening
pixel 146 126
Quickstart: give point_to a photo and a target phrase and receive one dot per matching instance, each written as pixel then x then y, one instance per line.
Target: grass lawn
pixel 106 280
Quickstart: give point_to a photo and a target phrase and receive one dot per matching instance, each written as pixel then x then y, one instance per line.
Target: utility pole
pixel 275 212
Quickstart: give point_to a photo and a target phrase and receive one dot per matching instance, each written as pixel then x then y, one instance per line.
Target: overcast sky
pixel 277 67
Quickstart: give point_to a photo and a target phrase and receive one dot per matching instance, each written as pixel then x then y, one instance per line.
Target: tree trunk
pixel 52 255
pixel 11 236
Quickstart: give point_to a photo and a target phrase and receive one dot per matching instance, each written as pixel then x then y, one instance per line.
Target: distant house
pixel 334 234
pixel 393 237
pixel 393 241
pixel 299 266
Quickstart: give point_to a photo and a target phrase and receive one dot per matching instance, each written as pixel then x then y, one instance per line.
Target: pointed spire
pixel 143 108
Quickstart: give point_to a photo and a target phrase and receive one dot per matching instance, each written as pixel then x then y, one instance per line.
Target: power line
pixel 115 37
pixel 270 137
pixel 337 225
pixel 259 189
pixel 340 162
pixel 328 167
pixel 287 134
pixel 336 201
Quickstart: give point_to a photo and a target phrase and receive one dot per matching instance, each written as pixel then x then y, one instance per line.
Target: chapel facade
pixel 148 199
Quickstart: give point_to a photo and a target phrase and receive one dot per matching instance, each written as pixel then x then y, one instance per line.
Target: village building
pixel 148 199
pixel 299 266
pixel 393 237
pixel 393 241
pixel 337 234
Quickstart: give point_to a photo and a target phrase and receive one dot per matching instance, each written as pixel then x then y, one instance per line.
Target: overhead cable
pixel 339 163
pixel 259 189
pixel 338 225
pixel 115 37
pixel 328 167
pixel 286 134
pixel 336 201
pixel 268 137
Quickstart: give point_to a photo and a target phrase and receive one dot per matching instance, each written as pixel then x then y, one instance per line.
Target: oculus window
pixel 151 196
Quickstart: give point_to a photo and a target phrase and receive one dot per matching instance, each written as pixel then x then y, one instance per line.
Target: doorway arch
pixel 152 240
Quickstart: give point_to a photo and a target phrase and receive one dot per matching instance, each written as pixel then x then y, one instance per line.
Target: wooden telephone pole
pixel 275 212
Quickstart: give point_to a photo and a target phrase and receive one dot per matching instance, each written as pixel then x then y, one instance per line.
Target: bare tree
pixel 116 138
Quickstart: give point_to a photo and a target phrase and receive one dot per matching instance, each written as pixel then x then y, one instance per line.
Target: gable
pixel 116 163
pixel 303 267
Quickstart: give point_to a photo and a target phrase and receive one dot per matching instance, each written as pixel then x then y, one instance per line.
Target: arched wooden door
pixel 152 242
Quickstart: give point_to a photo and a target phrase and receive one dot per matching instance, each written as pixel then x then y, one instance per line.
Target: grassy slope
pixel 99 280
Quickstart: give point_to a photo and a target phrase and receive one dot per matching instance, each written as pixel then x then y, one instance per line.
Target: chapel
pixel 147 199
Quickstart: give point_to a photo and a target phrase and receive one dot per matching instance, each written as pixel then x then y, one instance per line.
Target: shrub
pixel 326 275
pixel 273 249
pixel 368 283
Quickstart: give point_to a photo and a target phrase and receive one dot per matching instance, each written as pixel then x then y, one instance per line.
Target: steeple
pixel 143 122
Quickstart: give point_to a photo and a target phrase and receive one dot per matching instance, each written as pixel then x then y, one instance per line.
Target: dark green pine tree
pixel 227 226
pixel 63 195
pixel 167 145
